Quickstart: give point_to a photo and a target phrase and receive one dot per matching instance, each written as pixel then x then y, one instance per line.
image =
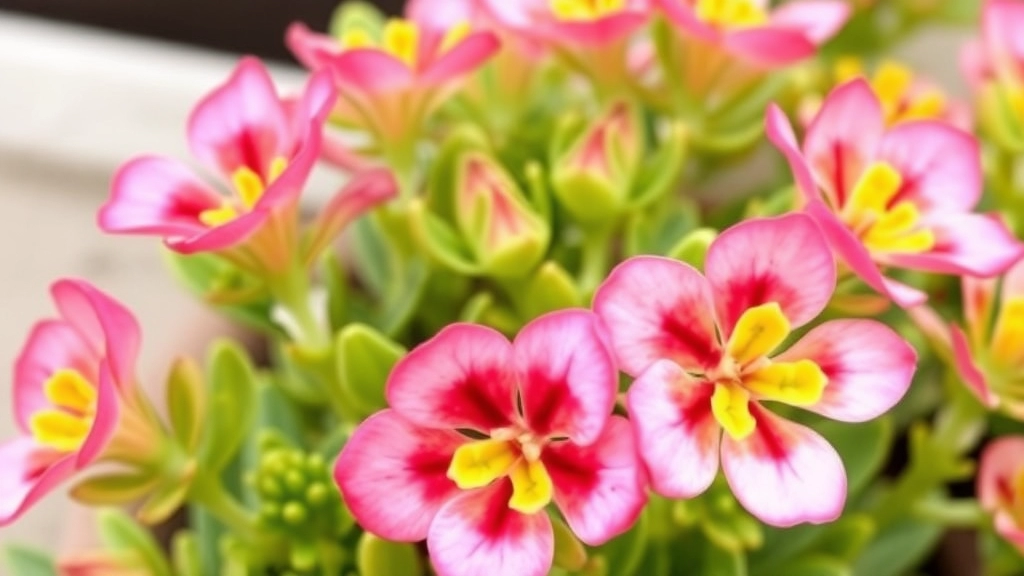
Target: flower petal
pixel 770 46
pixel 105 323
pixel 369 70
pixel 567 375
pixel 817 20
pixel 1001 24
pixel 461 378
pixel 599 32
pixel 50 346
pixel 683 16
pixel 393 475
pixel 844 137
pixel 1002 460
pixel 156 196
pixel 785 473
pixel 785 260
pixel 310 48
pixel 1013 282
pixel 30 473
pixel 658 308
pixel 780 133
pixel 477 533
pixel 940 164
pixel 242 123
pixel 442 14
pixel 869 367
pixel 968 370
pixel 108 414
pixel 601 488
pixel 363 192
pixel 222 237
pixel 677 436
pixel 461 59
pixel 974 244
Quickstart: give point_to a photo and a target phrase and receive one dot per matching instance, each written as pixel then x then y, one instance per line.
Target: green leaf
pixel 721 562
pixel 846 538
pixel 661 172
pixel 165 500
pixel 693 248
pixel 897 549
pixel 27 562
pixel 336 281
pixel 232 402
pixel 120 533
pixel 371 255
pixel 185 554
pixel 570 553
pixel 377 557
pixel 115 487
pixel 364 360
pixel 863 447
pixel 186 402
pixel 550 288
pixel 815 565
pixel 354 14
pixel 441 241
pixel 403 296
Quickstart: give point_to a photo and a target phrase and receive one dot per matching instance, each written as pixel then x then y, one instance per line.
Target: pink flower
pixel 539 412
pixel 70 381
pixel 1001 487
pixel 751 31
pixel 389 83
pixel 988 357
pixel 572 22
pixel 900 197
pixel 994 67
pixel 705 351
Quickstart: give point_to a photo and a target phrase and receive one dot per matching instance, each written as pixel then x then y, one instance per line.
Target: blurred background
pixel 85 84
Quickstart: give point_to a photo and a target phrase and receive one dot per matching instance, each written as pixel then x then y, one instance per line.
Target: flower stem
pixel 211 495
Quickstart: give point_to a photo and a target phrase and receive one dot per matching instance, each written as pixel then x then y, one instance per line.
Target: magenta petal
pixel 853 252
pixel 310 48
pixel 681 13
pixel 968 370
pixel 1001 462
pixel 785 473
pixel 362 193
pixel 103 322
pixel 220 237
pixel 241 123
pixel 369 70
pixel 477 533
pixel 869 367
pixel 442 14
pixel 461 378
pixel 314 106
pixel 1013 281
pixel 785 260
pixel 598 32
pixel 677 435
pixel 1002 21
pixel 817 20
pixel 940 164
pixel 108 414
pixel 780 133
pixel 600 488
pixel 567 375
pixel 156 196
pixel 393 475
pixel 27 478
pixel 974 244
pixel 770 46
pixel 844 138
pixel 51 346
pixel 462 59
pixel 658 308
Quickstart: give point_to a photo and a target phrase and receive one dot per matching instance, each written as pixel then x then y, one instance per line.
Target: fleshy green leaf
pixel 376 556
pixel 232 402
pixel 863 447
pixel 569 551
pixel 815 565
pixel 115 487
pixel 165 500
pixel 550 288
pixel 27 562
pixel 693 248
pixel 185 554
pixel 897 549
pixel 354 14
pixel 364 359
pixel 120 533
pixel 186 402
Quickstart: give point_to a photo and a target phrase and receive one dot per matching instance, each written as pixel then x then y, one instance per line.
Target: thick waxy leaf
pixel 186 402
pixel 115 488
pixel 26 562
pixel 378 556
pixel 232 405
pixel 120 533
pixel 364 359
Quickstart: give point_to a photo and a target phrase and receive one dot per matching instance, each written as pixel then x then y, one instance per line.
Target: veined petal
pixel 152 195
pixel 817 20
pixel 780 132
pixel 106 324
pixel 658 308
pixel 477 533
pixel 52 345
pixel 968 370
pixel 567 375
pixel 222 237
pixel 868 366
pixel 242 123
pixel 784 473
pixel 30 473
pixel 783 260
pixel 676 434
pixel 369 70
pixel 974 244
pixel 442 14
pixel 461 378
pixel 853 253
pixel 392 475
pixel 1002 461
pixel 844 137
pixel 770 46
pixel 106 420
pixel 600 488
pixel 940 165
pixel 463 58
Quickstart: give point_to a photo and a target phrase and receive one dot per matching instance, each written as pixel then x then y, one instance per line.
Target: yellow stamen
pixel 585 9
pixel 531 487
pixel 477 464
pixel 928 104
pixel 1008 337
pixel 798 383
pixel 248 185
pixel 454 35
pixel 356 38
pixel 217 216
pixel 68 389
pixel 847 68
pixel 882 227
pixel 401 39
pixel 873 191
pixel 758 331
pixel 732 13
pixel 59 430
pixel 277 167
pixel 730 405
pixel 892 81
pixel 894 232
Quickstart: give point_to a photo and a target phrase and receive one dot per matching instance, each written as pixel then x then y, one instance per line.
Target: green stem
pixel 596 258
pixel 210 494
pixel 292 291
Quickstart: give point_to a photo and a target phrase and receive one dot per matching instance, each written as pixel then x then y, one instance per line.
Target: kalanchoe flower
pixel 264 148
pixel 994 67
pixel 390 79
pixel 483 434
pixel 706 353
pixel 71 381
pixel 1001 487
pixel 900 197
pixel 752 32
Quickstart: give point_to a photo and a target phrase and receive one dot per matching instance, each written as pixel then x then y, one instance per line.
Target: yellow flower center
pixel 731 13
pixel 248 188
pixel 746 374
pixel 585 9
pixel 401 39
pixel 477 464
pixel 65 426
pixel 893 83
pixel 885 226
pixel 1007 347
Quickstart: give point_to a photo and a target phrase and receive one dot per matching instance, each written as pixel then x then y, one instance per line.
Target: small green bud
pixel 294 513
